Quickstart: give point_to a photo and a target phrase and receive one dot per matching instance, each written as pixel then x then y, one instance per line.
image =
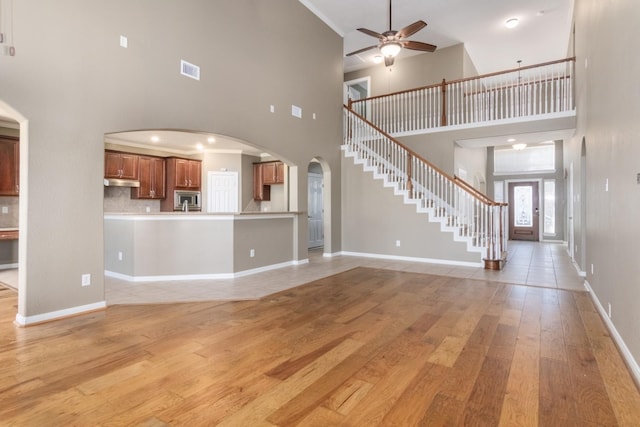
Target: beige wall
pixel 419 70
pixel 374 218
pixel 73 83
pixel 608 108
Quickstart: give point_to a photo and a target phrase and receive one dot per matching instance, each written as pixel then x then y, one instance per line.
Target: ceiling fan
pixel 392 42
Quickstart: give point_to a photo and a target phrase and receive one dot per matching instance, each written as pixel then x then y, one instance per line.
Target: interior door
pixel 315 211
pixel 222 192
pixel 524 211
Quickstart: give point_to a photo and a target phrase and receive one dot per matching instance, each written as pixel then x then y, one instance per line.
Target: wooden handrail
pixel 472 191
pixel 444 83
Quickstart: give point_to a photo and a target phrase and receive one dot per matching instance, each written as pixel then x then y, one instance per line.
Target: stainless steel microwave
pixel 186 201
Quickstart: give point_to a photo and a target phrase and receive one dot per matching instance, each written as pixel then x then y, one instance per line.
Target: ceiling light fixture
pixel 199 146
pixel 211 140
pixel 378 59
pixel 390 49
pixel 155 138
pixel 512 22
pixel 511 140
pixel 520 146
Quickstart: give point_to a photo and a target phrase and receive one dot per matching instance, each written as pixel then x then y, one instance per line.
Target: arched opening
pixel 13 126
pixel 319 205
pixel 583 204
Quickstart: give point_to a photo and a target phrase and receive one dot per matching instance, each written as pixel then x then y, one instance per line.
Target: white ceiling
pixel 542 35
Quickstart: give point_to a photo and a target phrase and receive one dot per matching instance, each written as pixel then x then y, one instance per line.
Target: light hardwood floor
pixel 364 347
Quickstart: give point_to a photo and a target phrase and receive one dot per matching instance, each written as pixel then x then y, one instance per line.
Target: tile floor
pixel 528 263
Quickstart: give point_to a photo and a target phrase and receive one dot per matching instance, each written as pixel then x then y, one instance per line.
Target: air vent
pixel 189 70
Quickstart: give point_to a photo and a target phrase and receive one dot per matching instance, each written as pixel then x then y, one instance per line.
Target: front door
pixel 524 211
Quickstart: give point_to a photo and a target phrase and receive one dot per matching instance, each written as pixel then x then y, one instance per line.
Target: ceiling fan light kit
pixel 390 49
pixel 392 42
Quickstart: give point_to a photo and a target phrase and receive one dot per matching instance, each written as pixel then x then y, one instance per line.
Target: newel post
pixel 443 119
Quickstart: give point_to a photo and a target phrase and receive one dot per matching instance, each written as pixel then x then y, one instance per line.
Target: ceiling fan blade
pixel 371 33
pixel 388 61
pixel 410 30
pixel 425 47
pixel 364 49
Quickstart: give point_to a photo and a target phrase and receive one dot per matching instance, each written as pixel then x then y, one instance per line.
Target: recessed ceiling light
pixel 378 59
pixel 512 22
pixel 211 140
pixel 155 138
pixel 520 146
pixel 511 140
pixel 199 146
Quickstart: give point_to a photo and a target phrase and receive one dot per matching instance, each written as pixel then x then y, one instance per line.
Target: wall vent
pixel 189 70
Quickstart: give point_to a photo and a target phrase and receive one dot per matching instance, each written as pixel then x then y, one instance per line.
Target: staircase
pixel 464 212
pixel 542 91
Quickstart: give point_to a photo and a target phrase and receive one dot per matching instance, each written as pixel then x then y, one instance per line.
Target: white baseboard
pixel 8 266
pixel 208 276
pixel 414 259
pixel 626 354
pixel 53 315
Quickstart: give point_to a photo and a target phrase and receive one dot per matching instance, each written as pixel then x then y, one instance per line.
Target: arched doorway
pixel 319 205
pixel 14 213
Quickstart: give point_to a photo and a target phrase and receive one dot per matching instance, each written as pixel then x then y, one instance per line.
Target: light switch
pixel 5 209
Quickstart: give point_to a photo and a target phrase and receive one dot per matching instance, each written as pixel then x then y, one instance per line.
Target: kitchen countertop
pixel 8 234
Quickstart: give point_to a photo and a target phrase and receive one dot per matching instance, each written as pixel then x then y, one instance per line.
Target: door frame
pixel 507 194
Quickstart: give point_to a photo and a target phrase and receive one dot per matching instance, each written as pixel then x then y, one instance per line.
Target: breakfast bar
pixel 190 246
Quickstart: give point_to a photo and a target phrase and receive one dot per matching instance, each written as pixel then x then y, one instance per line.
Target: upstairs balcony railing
pixel 530 91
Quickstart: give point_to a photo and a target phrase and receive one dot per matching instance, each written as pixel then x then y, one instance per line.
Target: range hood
pixel 118 182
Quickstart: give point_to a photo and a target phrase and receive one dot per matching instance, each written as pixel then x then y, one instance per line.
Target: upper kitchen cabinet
pixel 273 173
pixel 9 166
pixel 183 174
pixel 120 165
pixel 151 174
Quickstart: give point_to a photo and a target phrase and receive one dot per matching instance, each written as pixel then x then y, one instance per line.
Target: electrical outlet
pixel 591 268
pixel 86 279
pixel 119 256
pixel 272 108
pixel 398 243
pixel 609 313
pixel 252 253
pixel 124 42
pixel 5 209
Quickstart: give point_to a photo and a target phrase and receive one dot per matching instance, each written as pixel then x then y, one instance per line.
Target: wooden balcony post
pixel 409 177
pixel 443 118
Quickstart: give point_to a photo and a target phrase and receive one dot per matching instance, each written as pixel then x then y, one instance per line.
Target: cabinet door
pixel 158 174
pixel 145 177
pixel 181 173
pixel 9 167
pixel 120 165
pixel 111 165
pixel 260 190
pixel 129 166
pixel 151 173
pixel 195 171
pixel 280 172
pixel 269 173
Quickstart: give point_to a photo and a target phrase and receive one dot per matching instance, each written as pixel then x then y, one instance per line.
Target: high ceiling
pixel 542 34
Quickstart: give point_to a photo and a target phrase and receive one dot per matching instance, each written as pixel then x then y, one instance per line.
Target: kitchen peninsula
pixel 188 246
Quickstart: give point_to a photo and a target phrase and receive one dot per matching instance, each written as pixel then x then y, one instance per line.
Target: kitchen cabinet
pixel 9 166
pixel 184 174
pixel 151 174
pixel 120 165
pixel 261 191
pixel 273 173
